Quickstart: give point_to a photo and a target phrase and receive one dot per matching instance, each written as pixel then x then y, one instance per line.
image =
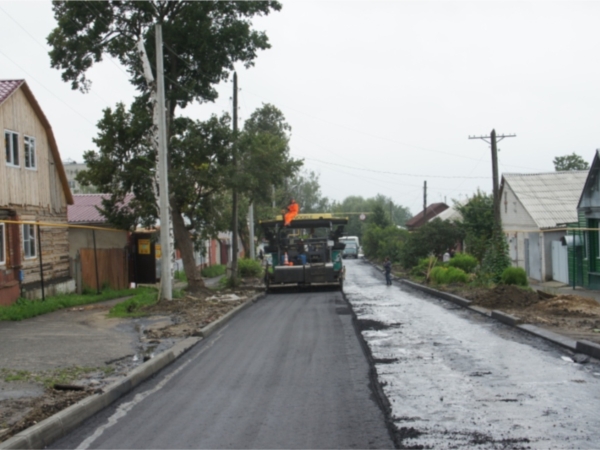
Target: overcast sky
pixel 381 96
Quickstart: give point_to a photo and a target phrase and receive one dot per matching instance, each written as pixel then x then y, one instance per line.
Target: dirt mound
pixel 502 297
pixel 570 305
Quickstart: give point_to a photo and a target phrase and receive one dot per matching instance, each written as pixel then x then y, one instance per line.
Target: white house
pixel 534 209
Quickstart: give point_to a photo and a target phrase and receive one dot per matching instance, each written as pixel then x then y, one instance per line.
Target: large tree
pixel 477 223
pixel 570 162
pixel 203 40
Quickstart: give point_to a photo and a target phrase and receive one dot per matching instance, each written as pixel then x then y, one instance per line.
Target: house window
pixel 30 157
pixel 29 249
pixel 11 144
pixel 2 245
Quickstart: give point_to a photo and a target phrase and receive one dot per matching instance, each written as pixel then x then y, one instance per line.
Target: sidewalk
pixel 557 288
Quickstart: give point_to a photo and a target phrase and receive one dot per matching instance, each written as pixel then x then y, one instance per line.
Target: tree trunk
pixel 186 247
pixel 244 234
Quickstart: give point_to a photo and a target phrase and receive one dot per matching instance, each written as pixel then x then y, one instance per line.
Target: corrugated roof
pixel 7 87
pixel 450 214
pixel 550 198
pixel 85 208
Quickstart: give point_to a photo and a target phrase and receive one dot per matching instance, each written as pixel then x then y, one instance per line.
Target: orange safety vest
pixel 293 209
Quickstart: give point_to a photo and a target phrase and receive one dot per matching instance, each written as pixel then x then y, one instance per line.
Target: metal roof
pixel 85 208
pixel 550 198
pixel 433 210
pixel 7 87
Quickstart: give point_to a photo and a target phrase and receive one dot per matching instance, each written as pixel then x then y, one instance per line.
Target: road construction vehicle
pixel 308 252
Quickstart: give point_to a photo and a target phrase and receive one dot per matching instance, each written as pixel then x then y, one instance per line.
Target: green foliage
pixel 180 276
pixel 463 261
pixel 49 378
pixel 434 237
pixel 248 268
pixel 570 162
pixel 448 275
pixel 133 306
pixel 496 258
pixel 515 275
pixel 477 223
pixel 357 204
pixel 379 243
pixel 25 309
pixel 423 268
pixel 213 271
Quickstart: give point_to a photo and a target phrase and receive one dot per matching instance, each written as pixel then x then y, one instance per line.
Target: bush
pixel 464 262
pixel 448 275
pixel 515 275
pixel 249 268
pixel 213 271
pixel 180 275
pixel 424 266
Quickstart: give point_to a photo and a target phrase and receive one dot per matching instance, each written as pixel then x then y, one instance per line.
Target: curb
pixel 585 347
pixel 54 427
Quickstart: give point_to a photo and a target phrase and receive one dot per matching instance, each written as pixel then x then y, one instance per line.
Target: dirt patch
pixel 571 315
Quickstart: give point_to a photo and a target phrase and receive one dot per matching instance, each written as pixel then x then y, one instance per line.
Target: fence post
pixel 96 262
pixel 39 238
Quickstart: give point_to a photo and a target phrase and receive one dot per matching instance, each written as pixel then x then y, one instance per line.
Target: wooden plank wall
pixel 39 187
pixel 112 268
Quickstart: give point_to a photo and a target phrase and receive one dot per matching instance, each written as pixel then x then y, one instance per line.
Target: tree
pixel 199 165
pixel 203 41
pixel 477 223
pixel 434 237
pixel 379 218
pixel 570 162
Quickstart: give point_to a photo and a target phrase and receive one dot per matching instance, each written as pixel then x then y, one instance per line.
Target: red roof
pixel 85 208
pixel 7 87
pixel 432 210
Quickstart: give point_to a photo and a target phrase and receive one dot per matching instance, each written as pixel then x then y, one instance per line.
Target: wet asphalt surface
pixel 288 372
pixel 456 379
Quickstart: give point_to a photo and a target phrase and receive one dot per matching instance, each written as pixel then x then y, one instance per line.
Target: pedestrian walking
pixel 387 266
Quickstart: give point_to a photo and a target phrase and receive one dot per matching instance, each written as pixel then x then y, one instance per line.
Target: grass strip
pixel 25 309
pixel 133 307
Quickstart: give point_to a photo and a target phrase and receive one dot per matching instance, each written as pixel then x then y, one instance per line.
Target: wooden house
pixel 33 188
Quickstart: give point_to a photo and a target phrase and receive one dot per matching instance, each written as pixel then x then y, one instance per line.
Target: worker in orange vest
pixel 292 211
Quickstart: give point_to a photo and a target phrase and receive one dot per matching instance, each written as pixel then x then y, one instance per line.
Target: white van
pixel 352 240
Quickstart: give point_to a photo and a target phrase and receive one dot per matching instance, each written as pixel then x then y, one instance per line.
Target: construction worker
pixel 292 211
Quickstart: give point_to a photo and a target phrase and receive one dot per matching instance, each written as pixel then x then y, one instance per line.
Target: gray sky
pixel 374 87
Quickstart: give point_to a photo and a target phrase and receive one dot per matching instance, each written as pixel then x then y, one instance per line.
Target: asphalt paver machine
pixel 308 252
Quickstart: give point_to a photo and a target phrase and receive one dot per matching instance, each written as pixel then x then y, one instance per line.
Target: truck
pixel 308 252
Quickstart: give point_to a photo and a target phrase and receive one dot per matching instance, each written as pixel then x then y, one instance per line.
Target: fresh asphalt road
pixel 288 372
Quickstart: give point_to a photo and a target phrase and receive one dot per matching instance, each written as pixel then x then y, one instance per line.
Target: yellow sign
pixel 144 246
pixel 157 251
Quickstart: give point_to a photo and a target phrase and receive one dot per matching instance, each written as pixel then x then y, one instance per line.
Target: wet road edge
pixel 374 385
pixel 584 347
pixel 54 427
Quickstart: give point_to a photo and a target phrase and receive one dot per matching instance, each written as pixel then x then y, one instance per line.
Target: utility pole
pixel 424 199
pixel 251 226
pixel 234 239
pixel 492 139
pixel 165 219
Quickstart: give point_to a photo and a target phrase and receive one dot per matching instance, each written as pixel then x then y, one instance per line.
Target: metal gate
pixel 560 262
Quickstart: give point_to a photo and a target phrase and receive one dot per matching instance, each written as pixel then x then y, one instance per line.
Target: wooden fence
pixel 112 268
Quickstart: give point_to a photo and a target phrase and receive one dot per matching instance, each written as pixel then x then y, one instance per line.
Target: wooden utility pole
pixel 234 238
pixel 165 219
pixel 424 198
pixel 492 139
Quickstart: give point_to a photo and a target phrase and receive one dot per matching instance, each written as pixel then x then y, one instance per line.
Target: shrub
pixel 213 271
pixel 180 275
pixel 464 262
pixel 515 275
pixel 424 266
pixel 249 268
pixel 447 275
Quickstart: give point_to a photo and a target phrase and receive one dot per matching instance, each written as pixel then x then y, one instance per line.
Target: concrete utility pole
pixel 165 219
pixel 493 140
pixel 234 238
pixel 251 229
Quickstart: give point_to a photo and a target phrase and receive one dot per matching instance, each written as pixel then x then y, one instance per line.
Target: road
pixel 457 379
pixel 288 372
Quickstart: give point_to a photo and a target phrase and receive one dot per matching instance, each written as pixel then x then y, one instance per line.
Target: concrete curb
pixel 53 428
pixel 586 347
